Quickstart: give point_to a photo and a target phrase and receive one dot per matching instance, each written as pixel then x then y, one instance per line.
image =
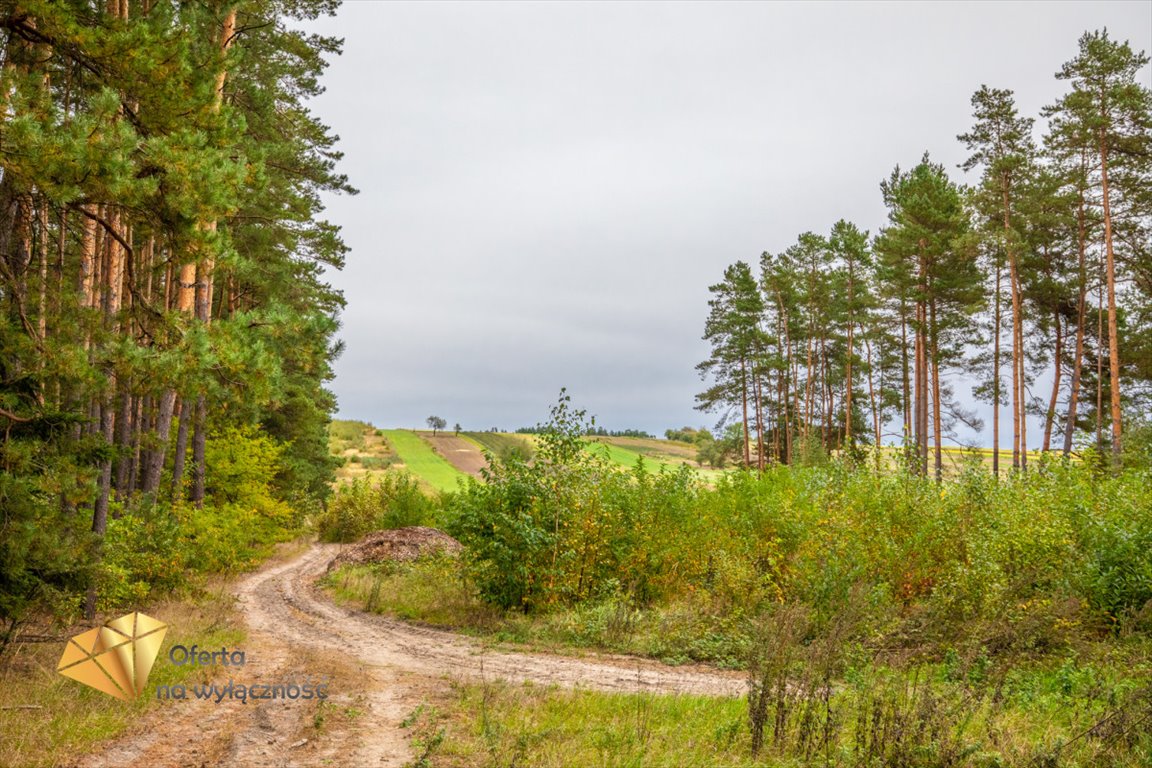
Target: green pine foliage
pixel 165 330
pixel 1039 269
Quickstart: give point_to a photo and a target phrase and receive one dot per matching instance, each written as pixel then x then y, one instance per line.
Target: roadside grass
pixel 422 461
pixel 47 719
pixel 505 724
pixel 883 717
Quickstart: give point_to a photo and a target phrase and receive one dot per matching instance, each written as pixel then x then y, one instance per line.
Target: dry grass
pixel 49 720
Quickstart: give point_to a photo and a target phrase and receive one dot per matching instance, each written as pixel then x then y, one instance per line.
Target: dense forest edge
pixel 166 331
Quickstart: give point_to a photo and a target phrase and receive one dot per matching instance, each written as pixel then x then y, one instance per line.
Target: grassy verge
pixel 47 719
pixel 498 724
pixel 882 718
pixel 422 461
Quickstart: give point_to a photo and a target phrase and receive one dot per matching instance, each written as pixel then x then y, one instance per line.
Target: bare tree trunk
pixel 1081 318
pixel 140 419
pixel 179 457
pixel 1017 385
pixel 809 384
pixel 1051 414
pixel 996 377
pixel 872 393
pixel 198 445
pixel 1110 274
pixel 904 360
pixel 1023 398
pixel 759 421
pixel 848 387
pixel 744 406
pixel 42 304
pixel 124 429
pixel 1100 365
pixel 919 389
pixel 154 461
pixel 936 420
pixel 787 381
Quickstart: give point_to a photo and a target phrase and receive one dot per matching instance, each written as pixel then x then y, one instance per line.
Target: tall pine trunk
pixel 1081 318
pixel 996 377
pixel 1110 275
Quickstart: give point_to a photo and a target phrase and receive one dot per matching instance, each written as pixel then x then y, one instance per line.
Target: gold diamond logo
pixel 117 657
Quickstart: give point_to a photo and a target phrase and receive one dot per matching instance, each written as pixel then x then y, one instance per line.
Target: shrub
pixel 392 500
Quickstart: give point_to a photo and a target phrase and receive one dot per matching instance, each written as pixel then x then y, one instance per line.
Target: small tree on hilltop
pixel 436 423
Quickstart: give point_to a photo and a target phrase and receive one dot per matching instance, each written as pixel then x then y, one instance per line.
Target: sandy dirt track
pixel 381 668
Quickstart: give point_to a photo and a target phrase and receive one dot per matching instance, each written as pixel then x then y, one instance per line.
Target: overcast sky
pixel 548 189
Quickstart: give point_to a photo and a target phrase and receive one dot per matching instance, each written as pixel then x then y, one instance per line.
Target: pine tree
pixel 733 329
pixel 1001 143
pixel 925 267
pixel 1109 113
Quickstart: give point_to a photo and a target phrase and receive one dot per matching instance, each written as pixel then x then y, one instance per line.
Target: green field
pixel 500 444
pixel 422 461
pixel 657 454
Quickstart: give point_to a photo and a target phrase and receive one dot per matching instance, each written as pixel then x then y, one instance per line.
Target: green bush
pixel 1026 562
pixel 145 553
pixel 392 500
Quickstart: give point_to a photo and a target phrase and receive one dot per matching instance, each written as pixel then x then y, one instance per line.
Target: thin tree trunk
pixel 42 304
pixel 759 421
pixel 744 407
pixel 1017 385
pixel 848 384
pixel 918 388
pixel 124 429
pixel 809 387
pixel 179 456
pixel 1081 318
pixel 199 440
pixel 1100 365
pixel 1023 399
pixel 154 461
pixel 904 361
pixel 789 413
pixel 1051 415
pixel 996 377
pixel 872 393
pixel 936 418
pixel 1110 274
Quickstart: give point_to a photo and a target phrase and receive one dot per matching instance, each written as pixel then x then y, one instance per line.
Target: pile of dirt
pixel 398 544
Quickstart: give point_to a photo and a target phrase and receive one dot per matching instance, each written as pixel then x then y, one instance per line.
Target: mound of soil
pixel 399 544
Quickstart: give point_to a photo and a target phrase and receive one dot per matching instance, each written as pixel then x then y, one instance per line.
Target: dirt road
pixel 380 672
